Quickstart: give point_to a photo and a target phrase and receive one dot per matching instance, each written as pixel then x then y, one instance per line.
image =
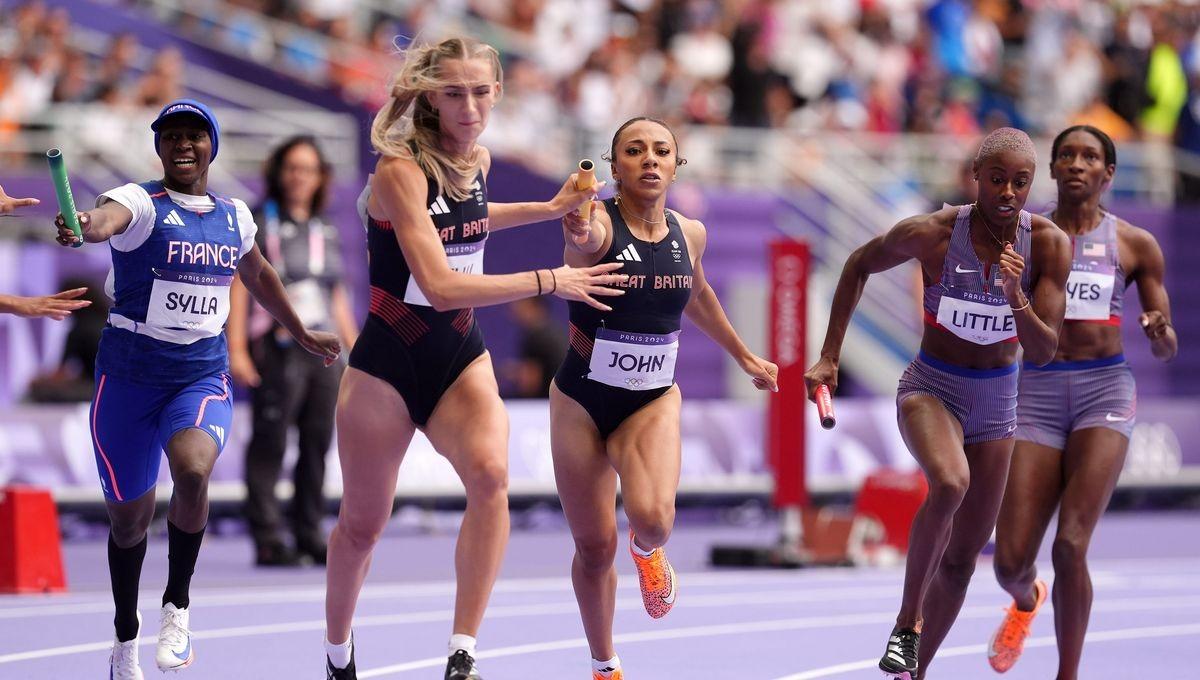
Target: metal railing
pixel 106 145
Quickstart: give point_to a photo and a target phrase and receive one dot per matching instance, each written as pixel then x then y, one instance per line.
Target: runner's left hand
pixel 1154 323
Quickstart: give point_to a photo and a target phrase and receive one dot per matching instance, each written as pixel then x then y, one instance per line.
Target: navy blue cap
pixel 189 107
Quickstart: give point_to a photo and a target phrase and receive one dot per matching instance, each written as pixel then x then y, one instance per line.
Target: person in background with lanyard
pixel 290 386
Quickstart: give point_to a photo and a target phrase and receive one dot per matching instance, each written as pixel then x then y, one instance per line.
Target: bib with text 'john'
pixel 634 361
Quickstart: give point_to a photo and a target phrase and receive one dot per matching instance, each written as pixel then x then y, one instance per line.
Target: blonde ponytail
pixel 407 126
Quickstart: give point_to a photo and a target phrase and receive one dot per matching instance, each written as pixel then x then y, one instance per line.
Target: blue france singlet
pixel 171 295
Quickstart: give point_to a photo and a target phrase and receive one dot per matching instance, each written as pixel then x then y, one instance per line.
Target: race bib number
pixel 634 361
pixel 308 299
pixel 465 257
pixel 976 321
pixel 189 301
pixel 1089 295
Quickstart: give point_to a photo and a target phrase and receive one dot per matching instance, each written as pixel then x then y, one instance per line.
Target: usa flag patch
pixel 1093 250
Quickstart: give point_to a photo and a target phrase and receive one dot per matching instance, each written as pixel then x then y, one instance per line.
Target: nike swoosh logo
pixel 1115 419
pixel 959 270
pixel 670 597
pixel 187 651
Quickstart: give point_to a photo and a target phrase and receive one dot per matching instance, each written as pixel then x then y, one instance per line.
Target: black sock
pixel 183 549
pixel 125 571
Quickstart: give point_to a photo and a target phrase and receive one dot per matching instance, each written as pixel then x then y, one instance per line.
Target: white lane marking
pixel 773 625
pixel 502 611
pixel 64 604
pixel 1120 634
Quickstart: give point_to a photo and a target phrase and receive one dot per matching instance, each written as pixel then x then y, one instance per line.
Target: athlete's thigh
pixel 1091 465
pixel 586 481
pixel 933 436
pixel 124 422
pixel 976 515
pixel 645 450
pixel 1031 495
pixel 373 430
pixel 469 425
pixel 204 407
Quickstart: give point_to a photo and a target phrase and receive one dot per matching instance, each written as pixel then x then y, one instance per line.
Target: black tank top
pixel 396 299
pixel 658 289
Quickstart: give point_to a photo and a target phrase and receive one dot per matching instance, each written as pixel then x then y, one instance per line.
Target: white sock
pixel 464 642
pixel 638 549
pixel 607 668
pixel 339 655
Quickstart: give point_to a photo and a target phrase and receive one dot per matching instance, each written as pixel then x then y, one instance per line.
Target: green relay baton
pixel 62 189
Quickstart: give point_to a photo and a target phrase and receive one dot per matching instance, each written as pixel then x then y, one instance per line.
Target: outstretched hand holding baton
pixel 66 200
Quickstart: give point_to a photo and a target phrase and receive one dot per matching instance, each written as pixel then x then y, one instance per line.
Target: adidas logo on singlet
pixel 439 207
pixel 629 254
pixel 173 219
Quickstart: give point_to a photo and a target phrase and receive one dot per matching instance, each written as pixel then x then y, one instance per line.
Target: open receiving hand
pixel 58 306
pixel 570 283
pixel 322 344
pixel 9 204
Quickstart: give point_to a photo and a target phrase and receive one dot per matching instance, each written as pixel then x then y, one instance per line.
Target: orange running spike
pixel 1009 640
pixel 657 580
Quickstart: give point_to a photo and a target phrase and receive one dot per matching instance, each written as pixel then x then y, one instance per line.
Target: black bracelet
pixel 537 274
pixel 554 279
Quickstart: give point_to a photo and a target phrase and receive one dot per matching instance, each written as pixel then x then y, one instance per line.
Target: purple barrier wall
pixel 723 450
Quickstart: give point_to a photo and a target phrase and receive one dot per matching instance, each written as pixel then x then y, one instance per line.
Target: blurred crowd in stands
pixel 947 66
pixel 955 67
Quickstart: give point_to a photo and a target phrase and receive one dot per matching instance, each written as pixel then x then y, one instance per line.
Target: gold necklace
pixel 975 207
pixel 640 219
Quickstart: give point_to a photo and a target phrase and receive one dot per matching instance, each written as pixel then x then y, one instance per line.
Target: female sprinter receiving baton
pixel 614 406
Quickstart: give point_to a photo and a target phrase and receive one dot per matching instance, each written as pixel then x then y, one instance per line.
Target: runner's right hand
pixel 65 236
pixel 580 284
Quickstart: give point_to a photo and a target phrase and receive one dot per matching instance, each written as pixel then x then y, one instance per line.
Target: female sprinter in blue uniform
pixel 1075 415
pixel 994 277
pixel 614 405
pixel 420 361
pixel 162 370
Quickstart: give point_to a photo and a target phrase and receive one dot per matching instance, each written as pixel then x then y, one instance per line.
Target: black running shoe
pixel 347 673
pixel 900 659
pixel 461 666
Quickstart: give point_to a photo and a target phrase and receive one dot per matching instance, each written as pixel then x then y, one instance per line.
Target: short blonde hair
pixel 1005 139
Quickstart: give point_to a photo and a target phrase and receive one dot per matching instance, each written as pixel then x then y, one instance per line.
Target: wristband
pixel 554 279
pixel 537 274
